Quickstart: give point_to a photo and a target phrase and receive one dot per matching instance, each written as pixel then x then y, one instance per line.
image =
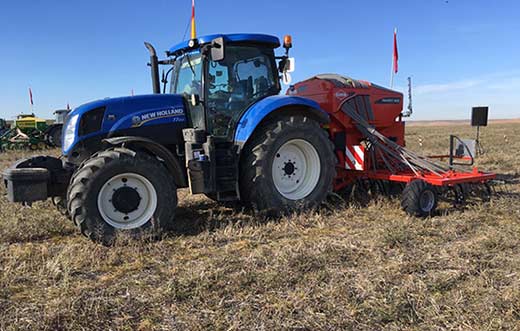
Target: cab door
pixel 246 75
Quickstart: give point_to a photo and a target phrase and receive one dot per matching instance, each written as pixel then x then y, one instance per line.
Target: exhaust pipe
pixel 154 67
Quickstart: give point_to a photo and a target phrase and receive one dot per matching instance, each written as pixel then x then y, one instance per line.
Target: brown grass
pixel 342 268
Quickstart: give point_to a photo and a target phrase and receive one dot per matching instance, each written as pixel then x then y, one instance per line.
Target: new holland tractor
pixel 221 129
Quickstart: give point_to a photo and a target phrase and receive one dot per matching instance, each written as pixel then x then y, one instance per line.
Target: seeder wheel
pixel 458 194
pixel 482 191
pixel 419 199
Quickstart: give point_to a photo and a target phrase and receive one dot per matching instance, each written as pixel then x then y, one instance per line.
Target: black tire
pixel 419 199
pixel 54 136
pixel 89 179
pixel 257 187
pixel 61 205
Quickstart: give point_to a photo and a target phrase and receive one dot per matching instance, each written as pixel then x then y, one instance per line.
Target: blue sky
pixel 459 52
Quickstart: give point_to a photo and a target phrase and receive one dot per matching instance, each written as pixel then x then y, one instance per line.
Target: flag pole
pixel 31 100
pixel 193 29
pixel 392 75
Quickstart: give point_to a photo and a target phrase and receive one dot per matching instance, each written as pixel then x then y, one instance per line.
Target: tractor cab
pixel 221 76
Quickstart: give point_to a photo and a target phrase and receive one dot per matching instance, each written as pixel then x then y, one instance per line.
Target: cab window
pixel 246 75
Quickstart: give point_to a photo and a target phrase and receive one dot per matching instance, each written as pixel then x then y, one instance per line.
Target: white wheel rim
pixel 127 219
pixel 296 169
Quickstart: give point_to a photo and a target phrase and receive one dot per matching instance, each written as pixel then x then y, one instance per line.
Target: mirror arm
pixel 205 50
pixel 282 63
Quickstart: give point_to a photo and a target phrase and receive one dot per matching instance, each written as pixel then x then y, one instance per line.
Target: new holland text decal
pixel 176 115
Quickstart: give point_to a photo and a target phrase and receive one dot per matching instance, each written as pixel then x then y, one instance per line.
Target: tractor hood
pixel 120 116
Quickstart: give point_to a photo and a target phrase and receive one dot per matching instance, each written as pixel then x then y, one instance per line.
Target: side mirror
pixel 289 65
pixel 217 49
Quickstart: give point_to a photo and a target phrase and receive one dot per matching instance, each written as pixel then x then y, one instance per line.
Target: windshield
pixel 186 80
pixel 187 75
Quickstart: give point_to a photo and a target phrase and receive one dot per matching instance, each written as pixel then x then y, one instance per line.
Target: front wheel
pixel 289 165
pixel 120 190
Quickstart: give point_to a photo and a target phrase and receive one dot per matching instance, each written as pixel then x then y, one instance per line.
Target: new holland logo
pixel 176 114
pixel 136 120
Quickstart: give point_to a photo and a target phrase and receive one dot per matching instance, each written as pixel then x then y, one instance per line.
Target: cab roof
pixel 268 40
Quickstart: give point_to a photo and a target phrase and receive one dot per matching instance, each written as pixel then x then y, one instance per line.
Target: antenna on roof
pixel 193 28
pixel 409 112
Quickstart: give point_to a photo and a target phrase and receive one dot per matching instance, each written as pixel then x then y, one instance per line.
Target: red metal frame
pixel 448 179
pixel 447 156
pixel 366 97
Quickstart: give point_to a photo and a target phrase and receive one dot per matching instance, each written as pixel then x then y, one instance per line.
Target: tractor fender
pixel 170 160
pixel 273 105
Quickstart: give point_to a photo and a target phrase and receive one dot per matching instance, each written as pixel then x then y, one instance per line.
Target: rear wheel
pixel 289 165
pixel 54 136
pixel 419 198
pixel 121 190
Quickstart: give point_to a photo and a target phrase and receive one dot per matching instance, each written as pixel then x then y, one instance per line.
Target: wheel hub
pixel 126 199
pixel 427 201
pixel 289 168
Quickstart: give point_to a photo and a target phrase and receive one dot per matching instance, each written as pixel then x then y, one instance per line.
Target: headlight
pixel 70 132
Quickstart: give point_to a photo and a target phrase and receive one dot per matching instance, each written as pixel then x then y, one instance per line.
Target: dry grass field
pixel 344 267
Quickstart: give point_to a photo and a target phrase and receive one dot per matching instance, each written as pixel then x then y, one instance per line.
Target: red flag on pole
pixel 396 54
pixel 30 97
pixel 193 30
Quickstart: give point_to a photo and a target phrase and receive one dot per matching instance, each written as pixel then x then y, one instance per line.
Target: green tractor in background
pixel 31 132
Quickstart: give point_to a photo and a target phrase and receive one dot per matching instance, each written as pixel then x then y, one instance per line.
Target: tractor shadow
pixel 202 216
pixel 210 216
pixel 195 217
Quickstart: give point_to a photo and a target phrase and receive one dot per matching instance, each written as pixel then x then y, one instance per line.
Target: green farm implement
pixel 28 132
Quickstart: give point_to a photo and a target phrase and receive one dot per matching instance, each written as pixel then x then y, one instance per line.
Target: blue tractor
pixel 216 124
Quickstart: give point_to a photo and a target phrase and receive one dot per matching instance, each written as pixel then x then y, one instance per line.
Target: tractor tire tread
pixel 257 151
pixel 80 181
